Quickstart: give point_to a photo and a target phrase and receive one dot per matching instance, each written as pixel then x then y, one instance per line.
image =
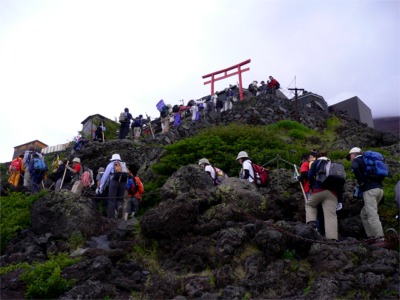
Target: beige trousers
pixel 369 213
pixel 329 204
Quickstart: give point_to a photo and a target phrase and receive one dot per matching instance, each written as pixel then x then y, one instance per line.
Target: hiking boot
pixel 313 225
pixel 119 212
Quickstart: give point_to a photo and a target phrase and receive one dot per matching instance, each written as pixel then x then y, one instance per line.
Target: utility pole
pixel 296 102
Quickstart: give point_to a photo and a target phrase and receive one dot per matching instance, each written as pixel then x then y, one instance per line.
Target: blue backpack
pixel 39 165
pixel 374 165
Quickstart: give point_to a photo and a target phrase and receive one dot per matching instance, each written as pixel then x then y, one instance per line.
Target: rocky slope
pixel 233 241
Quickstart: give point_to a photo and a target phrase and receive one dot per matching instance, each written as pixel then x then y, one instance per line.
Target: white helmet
pixel 242 154
pixel 203 161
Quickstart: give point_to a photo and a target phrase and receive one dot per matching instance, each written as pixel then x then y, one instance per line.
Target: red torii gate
pixel 226 75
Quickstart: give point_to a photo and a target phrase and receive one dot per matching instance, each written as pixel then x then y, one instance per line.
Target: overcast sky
pixel 61 61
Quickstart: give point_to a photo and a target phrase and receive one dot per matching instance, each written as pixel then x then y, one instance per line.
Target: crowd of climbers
pixel 119 190
pixel 322 203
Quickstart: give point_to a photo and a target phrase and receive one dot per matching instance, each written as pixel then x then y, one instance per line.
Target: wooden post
pixel 296 102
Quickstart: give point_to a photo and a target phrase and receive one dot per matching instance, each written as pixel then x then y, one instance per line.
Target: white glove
pixel 339 206
pixel 97 191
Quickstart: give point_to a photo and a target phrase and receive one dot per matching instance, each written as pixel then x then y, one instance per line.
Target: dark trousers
pixel 123 131
pixel 132 205
pixel 116 194
pixel 36 180
pixel 103 200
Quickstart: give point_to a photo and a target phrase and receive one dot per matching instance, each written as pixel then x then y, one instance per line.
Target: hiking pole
pixel 65 171
pixel 151 129
pixel 301 184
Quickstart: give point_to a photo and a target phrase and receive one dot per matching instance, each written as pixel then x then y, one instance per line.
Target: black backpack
pixel 278 85
pixel 175 108
pixel 164 112
pixel 68 176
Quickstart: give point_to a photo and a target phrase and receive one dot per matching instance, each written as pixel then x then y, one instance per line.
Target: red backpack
pixel 16 165
pixel 261 175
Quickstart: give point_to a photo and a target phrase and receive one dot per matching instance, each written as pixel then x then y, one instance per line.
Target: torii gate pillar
pixel 226 75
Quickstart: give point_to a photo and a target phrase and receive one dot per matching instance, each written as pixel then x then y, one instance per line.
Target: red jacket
pixel 272 83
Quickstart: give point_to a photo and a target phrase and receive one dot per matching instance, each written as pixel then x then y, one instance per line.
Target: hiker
pixel 214 99
pixel 79 143
pixel 372 190
pixel 103 196
pixel 36 173
pixel 312 156
pixel 209 104
pixel 77 171
pixel 273 85
pixel 58 175
pixel 135 190
pixel 327 197
pixel 125 123
pixel 137 127
pixel 217 175
pixel 220 102
pixel 247 171
pixel 263 88
pixel 26 161
pixel 15 169
pixel 253 88
pixel 98 135
pixel 194 110
pixel 165 114
pixel 303 176
pixel 118 173
pixel 229 94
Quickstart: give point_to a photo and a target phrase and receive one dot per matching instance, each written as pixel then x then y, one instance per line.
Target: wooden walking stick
pixel 301 184
pixel 151 129
pixel 65 170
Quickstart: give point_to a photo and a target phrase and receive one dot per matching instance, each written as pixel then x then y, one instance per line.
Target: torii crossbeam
pixel 226 75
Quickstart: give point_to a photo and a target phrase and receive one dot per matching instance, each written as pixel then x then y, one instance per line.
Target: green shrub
pixel 15 215
pixel 44 280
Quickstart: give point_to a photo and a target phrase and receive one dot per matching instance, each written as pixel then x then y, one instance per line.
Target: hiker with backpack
pixel 325 191
pixel 58 174
pixel 15 170
pixel 165 116
pixel 37 169
pixel 26 161
pixel 253 88
pixel 135 189
pixel 118 174
pixel 273 85
pixel 217 175
pixel 98 135
pixel 370 171
pixel 137 127
pixel 103 196
pixel 252 172
pixel 77 171
pixel 125 120
pixel 247 171
pixel 312 157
